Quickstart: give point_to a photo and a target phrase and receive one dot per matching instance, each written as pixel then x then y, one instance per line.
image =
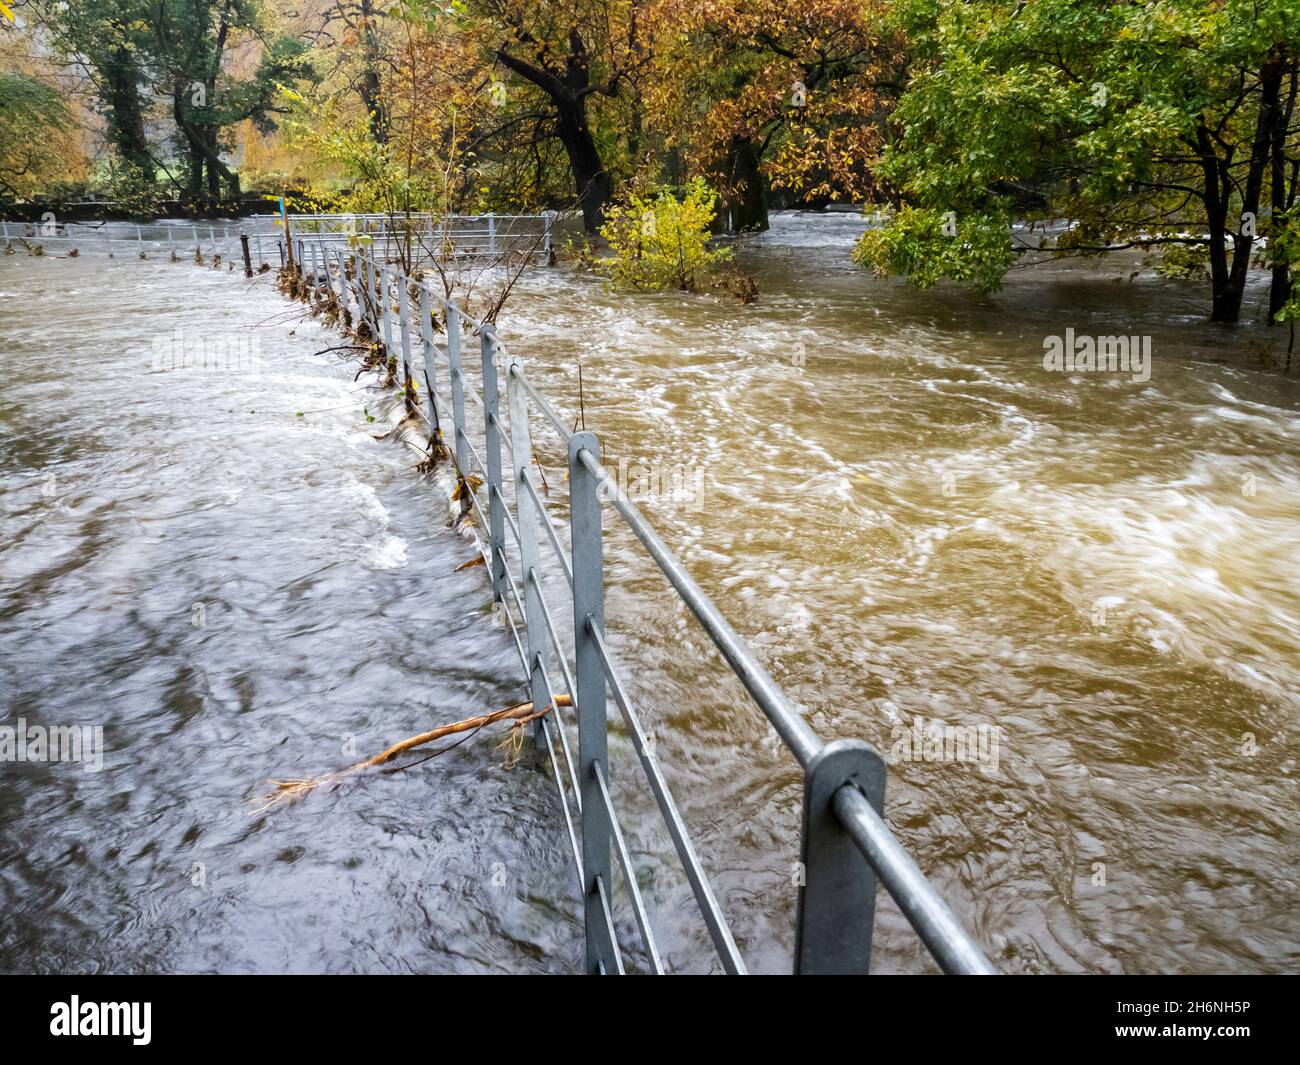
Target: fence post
pixel 243 244
pixel 369 311
pixel 426 345
pixel 376 298
pixel 837 901
pixel 384 302
pixel 492 444
pixel 589 678
pixel 492 235
pixel 404 327
pixel 327 259
pixel 460 446
pixel 530 574
pixel 257 243
pixel 345 288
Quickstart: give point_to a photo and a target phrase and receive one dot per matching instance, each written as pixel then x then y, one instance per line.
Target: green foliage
pixel 1099 112
pixel 33 149
pixel 1184 262
pixel 660 241
pixel 924 245
pixel 1284 249
pixel 380 179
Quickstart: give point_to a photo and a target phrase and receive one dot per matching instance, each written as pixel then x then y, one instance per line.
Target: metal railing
pixel 845 844
pixel 120 237
pixel 427 236
pixel 447 237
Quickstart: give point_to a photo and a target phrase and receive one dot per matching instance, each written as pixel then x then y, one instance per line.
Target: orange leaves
pixel 798 78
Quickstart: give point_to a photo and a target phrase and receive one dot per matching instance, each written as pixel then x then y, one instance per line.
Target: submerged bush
pixel 925 245
pixel 660 241
pixel 1187 262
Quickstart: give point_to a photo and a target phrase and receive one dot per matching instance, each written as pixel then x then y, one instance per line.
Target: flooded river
pixel 912 520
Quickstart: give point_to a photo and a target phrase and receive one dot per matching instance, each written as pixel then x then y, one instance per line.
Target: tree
pixel 187 42
pixel 35 148
pixel 763 92
pixel 364 51
pixel 175 50
pixel 1144 125
pixel 570 52
pixel 106 39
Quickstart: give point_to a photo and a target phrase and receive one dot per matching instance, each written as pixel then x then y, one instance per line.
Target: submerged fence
pixel 488 237
pixel 118 238
pixel 845 844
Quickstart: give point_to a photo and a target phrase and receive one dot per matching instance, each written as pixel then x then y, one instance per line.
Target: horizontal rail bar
pixel 629 875
pixel 551 533
pixel 934 922
pixel 716 923
pixel 793 729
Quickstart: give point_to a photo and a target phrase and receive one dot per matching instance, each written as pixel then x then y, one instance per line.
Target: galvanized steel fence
pixel 446 237
pixel 845 844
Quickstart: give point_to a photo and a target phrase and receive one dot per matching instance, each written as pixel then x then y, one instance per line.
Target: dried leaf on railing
pixel 465 485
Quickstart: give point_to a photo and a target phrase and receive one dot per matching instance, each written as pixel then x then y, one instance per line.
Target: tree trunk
pixel 747 195
pixel 592 181
pixel 1270 78
pixel 1280 288
pixel 568 94
pixel 125 115
pixel 369 87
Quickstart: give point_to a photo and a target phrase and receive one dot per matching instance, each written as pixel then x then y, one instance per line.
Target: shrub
pixel 1188 262
pixel 925 245
pixel 660 241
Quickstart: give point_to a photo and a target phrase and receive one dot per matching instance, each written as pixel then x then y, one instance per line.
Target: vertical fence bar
pixel 589 678
pixel 492 235
pixel 345 288
pixel 426 345
pixel 530 574
pixel 457 388
pixel 385 308
pixel 371 313
pixel 492 444
pixel 837 901
pixel 257 244
pixel 327 281
pixel 404 327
